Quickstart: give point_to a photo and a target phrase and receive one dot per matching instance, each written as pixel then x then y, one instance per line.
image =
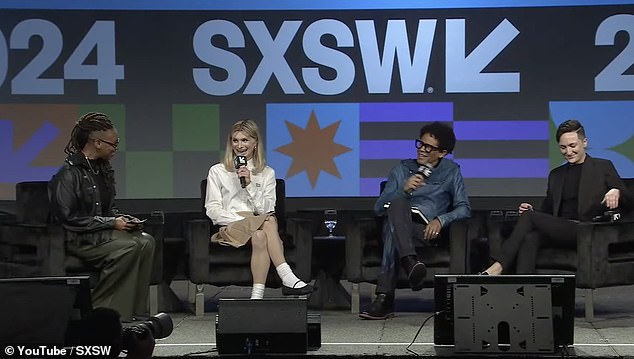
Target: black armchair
pixel 34 246
pixel 364 251
pixel 603 255
pixel 218 265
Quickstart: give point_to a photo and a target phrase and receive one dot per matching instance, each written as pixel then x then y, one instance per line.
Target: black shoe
pixel 416 276
pixel 307 289
pixel 483 273
pixel 381 308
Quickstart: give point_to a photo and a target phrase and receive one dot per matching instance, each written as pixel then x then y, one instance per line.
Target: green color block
pixel 195 127
pixel 149 174
pixel 626 148
pixel 116 113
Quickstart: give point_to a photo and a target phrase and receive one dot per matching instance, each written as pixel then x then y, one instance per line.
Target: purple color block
pixel 406 112
pixel 504 167
pixel 480 168
pixel 386 149
pixel 501 130
pixel 369 187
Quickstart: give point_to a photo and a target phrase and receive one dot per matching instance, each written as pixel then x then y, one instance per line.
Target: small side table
pixel 329 253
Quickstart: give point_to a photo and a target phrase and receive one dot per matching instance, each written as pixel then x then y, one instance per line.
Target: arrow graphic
pixel 464 73
pixel 15 164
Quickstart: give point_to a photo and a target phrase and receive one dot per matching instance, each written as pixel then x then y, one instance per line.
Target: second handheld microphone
pixel 238 162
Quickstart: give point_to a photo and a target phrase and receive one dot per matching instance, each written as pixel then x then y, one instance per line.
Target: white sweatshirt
pixel 225 197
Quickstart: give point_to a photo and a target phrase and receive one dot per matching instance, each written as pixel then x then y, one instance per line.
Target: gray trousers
pixel 125 265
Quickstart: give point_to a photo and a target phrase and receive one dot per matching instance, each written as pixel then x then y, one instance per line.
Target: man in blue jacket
pixel 422 196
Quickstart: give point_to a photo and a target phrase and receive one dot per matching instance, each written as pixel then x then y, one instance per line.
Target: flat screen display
pixel 339 89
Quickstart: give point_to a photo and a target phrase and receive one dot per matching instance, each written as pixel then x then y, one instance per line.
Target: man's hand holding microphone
pixel 432 230
pixel 240 162
pixel 418 179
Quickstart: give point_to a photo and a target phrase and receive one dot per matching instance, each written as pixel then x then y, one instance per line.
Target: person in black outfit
pixel 82 198
pixel 578 190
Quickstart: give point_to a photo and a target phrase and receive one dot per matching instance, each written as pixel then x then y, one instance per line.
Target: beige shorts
pixel 238 233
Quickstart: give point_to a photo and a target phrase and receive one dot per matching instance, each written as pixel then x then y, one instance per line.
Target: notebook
pixel 417 215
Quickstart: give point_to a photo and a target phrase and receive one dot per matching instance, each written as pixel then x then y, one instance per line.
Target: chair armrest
pixel 47 239
pixel 300 230
pixel 198 239
pixel 356 231
pixel 599 245
pixel 459 246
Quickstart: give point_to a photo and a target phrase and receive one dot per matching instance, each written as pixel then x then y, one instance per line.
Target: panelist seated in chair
pixel 241 199
pixel 431 185
pixel 579 190
pixel 82 198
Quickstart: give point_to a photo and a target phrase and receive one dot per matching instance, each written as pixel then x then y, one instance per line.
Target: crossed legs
pixel 267 248
pixel 524 241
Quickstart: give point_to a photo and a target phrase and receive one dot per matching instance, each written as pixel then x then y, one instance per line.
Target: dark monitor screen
pixel 509 313
pixel 43 310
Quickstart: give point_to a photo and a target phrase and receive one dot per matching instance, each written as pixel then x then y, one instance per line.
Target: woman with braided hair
pixel 82 198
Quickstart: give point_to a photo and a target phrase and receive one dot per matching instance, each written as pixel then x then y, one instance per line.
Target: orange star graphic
pixel 313 149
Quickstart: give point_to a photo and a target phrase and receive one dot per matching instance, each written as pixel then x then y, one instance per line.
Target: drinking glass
pixel 330 220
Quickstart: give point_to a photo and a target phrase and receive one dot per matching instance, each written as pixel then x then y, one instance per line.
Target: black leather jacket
pixel 75 203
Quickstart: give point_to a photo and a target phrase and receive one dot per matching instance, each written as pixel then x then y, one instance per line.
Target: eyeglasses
pixel 113 144
pixel 426 146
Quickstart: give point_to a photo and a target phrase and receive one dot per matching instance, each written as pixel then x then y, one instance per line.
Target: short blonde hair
pixel 250 129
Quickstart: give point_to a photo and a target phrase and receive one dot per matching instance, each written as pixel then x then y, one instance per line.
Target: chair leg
pixel 191 292
pixel 200 300
pixel 589 304
pixel 355 299
pixel 153 298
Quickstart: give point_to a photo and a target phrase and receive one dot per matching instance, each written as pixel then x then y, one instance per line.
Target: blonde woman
pixel 242 202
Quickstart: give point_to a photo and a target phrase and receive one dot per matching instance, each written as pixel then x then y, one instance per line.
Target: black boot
pixel 381 308
pixel 416 272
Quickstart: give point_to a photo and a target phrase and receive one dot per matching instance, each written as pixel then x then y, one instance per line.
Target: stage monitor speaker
pixel 275 326
pixel 504 314
pixel 43 310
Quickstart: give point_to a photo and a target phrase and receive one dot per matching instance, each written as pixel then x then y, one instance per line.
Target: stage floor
pixel 343 334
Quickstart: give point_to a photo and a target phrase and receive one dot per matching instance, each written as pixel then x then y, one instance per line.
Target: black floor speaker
pixel 43 310
pixel 275 326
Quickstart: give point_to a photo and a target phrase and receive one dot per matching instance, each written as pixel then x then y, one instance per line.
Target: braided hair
pixel 87 124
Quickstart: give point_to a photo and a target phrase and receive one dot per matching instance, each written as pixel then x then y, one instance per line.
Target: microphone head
pixel 424 171
pixel 239 161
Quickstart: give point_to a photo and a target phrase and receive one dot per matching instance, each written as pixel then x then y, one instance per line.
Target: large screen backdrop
pixel 340 95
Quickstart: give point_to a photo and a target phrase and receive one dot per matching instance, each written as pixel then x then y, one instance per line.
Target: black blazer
pixel 597 177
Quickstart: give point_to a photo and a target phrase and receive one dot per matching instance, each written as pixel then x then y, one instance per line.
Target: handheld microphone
pixel 238 162
pixel 424 170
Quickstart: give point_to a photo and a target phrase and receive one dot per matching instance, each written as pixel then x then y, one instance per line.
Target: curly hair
pixel 443 132
pixel 85 126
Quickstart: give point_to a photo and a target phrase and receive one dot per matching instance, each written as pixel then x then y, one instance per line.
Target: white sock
pixel 289 278
pixel 258 291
